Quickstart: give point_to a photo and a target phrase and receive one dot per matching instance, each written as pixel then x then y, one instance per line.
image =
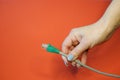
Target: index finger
pixel 66 44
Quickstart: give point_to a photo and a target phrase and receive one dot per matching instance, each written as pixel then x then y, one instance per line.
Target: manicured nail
pixel 70 57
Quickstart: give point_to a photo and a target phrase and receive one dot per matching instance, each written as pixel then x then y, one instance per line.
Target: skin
pixel 83 38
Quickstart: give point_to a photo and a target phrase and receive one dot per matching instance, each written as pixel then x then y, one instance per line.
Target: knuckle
pixel 73 30
pixel 64 44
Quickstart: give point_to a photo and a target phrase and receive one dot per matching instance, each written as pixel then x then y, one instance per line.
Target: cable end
pixel 44 46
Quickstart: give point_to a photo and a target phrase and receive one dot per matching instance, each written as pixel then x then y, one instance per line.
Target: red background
pixel 25 25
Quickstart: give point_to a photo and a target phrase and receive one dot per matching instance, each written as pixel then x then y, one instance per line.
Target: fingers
pixel 74 46
pixel 73 63
pixel 77 51
pixel 83 59
pixel 69 43
pixel 66 44
pixel 65 60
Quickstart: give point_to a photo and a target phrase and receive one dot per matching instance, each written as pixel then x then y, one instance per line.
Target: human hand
pixel 81 39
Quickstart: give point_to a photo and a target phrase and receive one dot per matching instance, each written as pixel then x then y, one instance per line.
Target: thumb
pixel 77 51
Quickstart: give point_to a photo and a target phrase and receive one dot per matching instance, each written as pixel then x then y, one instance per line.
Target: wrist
pixel 106 29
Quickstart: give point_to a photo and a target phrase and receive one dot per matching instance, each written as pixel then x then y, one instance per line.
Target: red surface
pixel 24 25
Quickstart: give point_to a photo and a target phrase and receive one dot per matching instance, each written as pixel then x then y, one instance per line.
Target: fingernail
pixel 73 63
pixel 78 65
pixel 65 64
pixel 70 57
